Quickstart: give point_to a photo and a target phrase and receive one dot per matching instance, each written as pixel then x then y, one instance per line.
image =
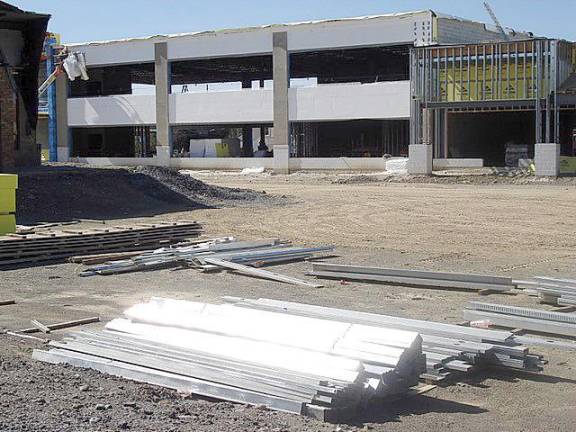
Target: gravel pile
pixel 55 195
pixel 201 192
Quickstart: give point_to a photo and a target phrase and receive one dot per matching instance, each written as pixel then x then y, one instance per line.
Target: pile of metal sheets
pixel 554 291
pixel 58 245
pixel 417 278
pixel 540 321
pixel 307 366
pixel 212 255
pixel 448 347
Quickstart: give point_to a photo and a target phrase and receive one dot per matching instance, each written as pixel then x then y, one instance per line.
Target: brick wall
pixel 8 123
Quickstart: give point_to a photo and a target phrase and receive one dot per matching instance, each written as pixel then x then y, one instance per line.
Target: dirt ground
pixel 501 227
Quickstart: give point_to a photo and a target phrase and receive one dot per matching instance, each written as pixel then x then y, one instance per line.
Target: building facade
pixel 331 94
pixel 21 39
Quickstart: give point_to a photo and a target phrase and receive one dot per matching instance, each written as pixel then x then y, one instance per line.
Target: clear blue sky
pixel 83 20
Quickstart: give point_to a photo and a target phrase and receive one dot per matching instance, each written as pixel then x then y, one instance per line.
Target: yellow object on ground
pixel 567 165
pixel 8 186
pixel 7 224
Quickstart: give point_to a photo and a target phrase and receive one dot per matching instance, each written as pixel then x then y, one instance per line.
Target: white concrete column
pixel 420 159
pixel 62 129
pixel 281 77
pixel 547 159
pixel 163 82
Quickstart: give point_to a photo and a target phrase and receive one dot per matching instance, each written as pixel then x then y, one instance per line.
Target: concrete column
pixel 281 76
pixel 247 138
pixel 547 159
pixel 420 159
pixel 162 79
pixel 420 155
pixel 62 129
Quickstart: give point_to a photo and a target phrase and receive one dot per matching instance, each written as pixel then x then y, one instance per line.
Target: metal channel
pixel 525 312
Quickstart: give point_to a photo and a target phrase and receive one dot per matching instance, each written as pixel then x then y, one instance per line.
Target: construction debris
pixel 417 278
pixel 556 323
pixel 27 337
pixel 40 326
pixel 17 250
pixel 250 271
pixel 448 347
pixel 217 254
pixel 62 325
pixel 554 291
pixel 7 302
pixel 314 367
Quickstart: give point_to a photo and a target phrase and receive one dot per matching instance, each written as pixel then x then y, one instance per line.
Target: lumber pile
pixel 556 323
pixel 59 245
pixel 448 348
pixel 308 366
pixel 217 254
pixel 416 278
pixel 8 186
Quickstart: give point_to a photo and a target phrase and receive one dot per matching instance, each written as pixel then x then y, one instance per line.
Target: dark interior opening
pixel 568 132
pixel 366 65
pixel 113 80
pixel 133 141
pixel 487 135
pixel 354 138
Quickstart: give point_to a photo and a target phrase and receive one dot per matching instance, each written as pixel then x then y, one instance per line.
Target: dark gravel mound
pixel 58 194
pixel 201 192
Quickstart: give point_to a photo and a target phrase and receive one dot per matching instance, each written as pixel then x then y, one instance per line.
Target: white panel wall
pixel 246 106
pixel 388 100
pixel 124 110
pixel 382 30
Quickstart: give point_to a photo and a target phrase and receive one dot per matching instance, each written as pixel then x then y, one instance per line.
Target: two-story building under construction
pixel 334 94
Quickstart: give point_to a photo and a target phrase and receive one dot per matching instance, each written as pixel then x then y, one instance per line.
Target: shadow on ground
pixel 59 194
pixel 393 412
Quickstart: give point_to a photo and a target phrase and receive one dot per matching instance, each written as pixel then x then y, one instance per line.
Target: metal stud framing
pixel 491 76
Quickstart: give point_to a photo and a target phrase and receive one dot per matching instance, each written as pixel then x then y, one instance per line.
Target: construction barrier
pixel 8 186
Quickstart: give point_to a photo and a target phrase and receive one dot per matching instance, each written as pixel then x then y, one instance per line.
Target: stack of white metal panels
pixel 309 366
pixel 447 347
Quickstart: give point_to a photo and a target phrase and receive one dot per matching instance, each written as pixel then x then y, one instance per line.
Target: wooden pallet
pixel 57 245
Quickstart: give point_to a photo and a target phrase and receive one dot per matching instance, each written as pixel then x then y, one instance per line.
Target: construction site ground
pixel 489 226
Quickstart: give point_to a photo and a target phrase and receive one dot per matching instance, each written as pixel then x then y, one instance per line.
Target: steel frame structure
pixel 496 76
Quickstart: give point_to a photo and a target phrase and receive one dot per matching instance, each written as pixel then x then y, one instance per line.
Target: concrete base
pixel 63 154
pixel 281 159
pixel 162 156
pixel 420 159
pixel 547 159
pixel 440 164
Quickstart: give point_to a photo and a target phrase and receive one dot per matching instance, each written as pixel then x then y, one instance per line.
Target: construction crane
pixel 496 21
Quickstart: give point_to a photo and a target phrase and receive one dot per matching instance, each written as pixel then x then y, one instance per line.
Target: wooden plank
pixel 63 325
